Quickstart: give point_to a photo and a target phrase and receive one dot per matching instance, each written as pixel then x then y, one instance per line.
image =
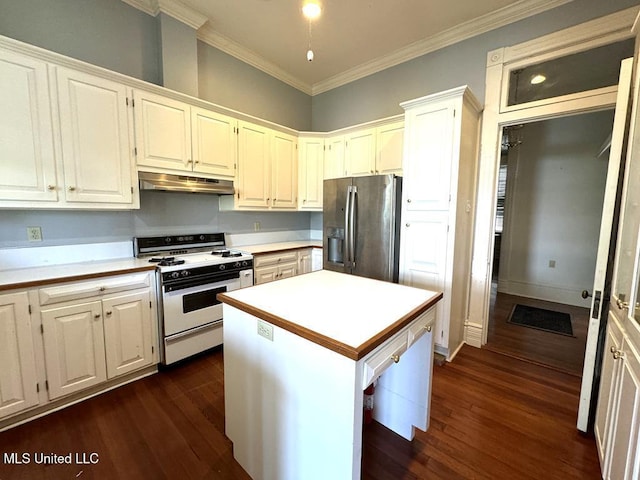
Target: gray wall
pixel 160 213
pixel 464 63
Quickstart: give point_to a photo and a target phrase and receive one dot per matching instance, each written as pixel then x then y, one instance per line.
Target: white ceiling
pixel 351 39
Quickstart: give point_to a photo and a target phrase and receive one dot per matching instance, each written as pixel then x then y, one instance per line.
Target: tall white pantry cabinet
pixel 439 186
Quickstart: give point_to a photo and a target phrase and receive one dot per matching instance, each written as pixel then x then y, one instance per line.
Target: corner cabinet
pixel 439 185
pixel 310 172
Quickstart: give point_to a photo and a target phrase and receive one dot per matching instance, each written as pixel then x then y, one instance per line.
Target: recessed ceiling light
pixel 538 79
pixel 311 10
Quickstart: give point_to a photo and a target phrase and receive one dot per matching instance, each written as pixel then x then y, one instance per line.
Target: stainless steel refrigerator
pixel 361 226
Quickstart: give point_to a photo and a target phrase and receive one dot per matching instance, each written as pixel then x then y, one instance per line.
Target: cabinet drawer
pixel 92 288
pixel 275 259
pixel 382 359
pixel 424 323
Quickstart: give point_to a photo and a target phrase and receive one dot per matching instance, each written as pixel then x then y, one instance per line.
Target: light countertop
pixel 349 314
pixel 280 246
pixel 36 276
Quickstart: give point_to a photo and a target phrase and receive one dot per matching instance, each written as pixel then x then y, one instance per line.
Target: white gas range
pixel 191 271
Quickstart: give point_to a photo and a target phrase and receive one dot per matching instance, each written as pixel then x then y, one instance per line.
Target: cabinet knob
pixel 408 200
pixel 617 355
pixel 189 161
pixel 51 187
pixel 102 289
pixel 197 162
pixel 613 349
pixel 622 305
pixel 108 313
pixel 408 224
pixel 72 189
pixel 96 316
pixel 427 328
pixel 371 171
pixel 395 358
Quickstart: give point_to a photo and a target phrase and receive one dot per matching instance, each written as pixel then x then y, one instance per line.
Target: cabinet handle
pixel 51 187
pixel 72 189
pixel 371 171
pixel 408 224
pixel 189 161
pixel 197 162
pixel 96 316
pixel 102 289
pixel 408 200
pixel 613 349
pixel 108 313
pixel 428 328
pixel 395 358
pixel 617 355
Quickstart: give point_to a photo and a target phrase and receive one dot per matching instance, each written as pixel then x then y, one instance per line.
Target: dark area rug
pixel 541 319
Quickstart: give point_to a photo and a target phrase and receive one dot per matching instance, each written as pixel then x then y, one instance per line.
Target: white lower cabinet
pixel 18 379
pixel 60 340
pixel 274 266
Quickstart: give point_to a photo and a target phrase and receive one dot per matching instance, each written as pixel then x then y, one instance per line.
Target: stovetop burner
pixel 166 261
pixel 226 253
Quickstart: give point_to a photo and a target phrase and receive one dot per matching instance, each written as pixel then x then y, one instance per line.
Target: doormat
pixel 541 319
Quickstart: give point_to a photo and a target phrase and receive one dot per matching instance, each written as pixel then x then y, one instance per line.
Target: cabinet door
pixel 214 142
pixel 389 148
pixel 311 173
pixel 608 387
pixel 423 254
pixel 18 390
pixel 94 129
pixel 73 348
pixel 284 171
pixel 265 274
pixel 254 180
pixel 304 260
pixel 163 132
pixel 625 429
pixel 288 270
pixel 334 158
pixel 27 168
pixel 361 152
pixel 127 333
pixel 427 165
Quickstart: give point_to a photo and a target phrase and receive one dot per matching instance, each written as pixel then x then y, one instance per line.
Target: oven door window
pixel 199 300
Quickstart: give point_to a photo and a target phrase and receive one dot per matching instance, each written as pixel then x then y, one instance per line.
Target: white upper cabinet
pixel 311 176
pixel 334 157
pixel 27 161
pixel 214 143
pixel 163 132
pixel 254 174
pixel 175 137
pixel 94 130
pixel 284 171
pixel 361 152
pixel 389 148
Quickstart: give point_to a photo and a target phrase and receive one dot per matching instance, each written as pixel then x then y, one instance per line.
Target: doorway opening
pixel 550 195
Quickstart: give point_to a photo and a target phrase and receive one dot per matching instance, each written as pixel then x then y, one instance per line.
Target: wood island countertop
pixel 348 314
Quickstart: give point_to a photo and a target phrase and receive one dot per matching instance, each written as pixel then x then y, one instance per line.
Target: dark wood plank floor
pixel 545 348
pixel 493 417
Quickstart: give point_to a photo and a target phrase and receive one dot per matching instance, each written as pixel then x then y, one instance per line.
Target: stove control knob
pixel 245 263
pixel 167 240
pixel 237 265
pixel 222 267
pixel 175 274
pixel 202 237
pixel 185 273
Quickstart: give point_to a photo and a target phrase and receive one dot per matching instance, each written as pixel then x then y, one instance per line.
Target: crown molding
pixel 464 31
pixel 221 42
pixel 173 8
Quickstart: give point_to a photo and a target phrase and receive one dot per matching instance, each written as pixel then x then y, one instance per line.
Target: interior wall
pixel 160 213
pixel 553 207
pixel 464 63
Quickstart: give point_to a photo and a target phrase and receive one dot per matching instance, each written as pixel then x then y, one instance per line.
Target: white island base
pixel 294 400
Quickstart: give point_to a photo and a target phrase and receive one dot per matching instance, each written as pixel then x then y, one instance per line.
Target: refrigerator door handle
pixel 347 229
pixel 352 225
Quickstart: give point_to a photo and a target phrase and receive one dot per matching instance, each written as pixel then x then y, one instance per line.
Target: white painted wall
pixel 553 208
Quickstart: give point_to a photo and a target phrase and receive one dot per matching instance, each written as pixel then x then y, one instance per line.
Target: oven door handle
pixel 182 283
pixel 193 331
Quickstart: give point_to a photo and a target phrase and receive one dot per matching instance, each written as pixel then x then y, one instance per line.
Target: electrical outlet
pixel 552 264
pixel 34 234
pixel 265 330
pixel 256 227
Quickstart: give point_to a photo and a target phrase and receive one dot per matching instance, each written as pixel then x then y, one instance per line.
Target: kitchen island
pixel 298 354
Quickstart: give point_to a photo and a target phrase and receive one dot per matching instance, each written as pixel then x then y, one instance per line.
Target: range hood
pixel 183 183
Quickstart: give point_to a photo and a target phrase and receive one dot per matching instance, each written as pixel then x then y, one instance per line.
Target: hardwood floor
pixel 493 417
pixel 560 352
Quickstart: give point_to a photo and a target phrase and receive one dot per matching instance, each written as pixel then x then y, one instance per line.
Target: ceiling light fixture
pixel 538 79
pixel 311 10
